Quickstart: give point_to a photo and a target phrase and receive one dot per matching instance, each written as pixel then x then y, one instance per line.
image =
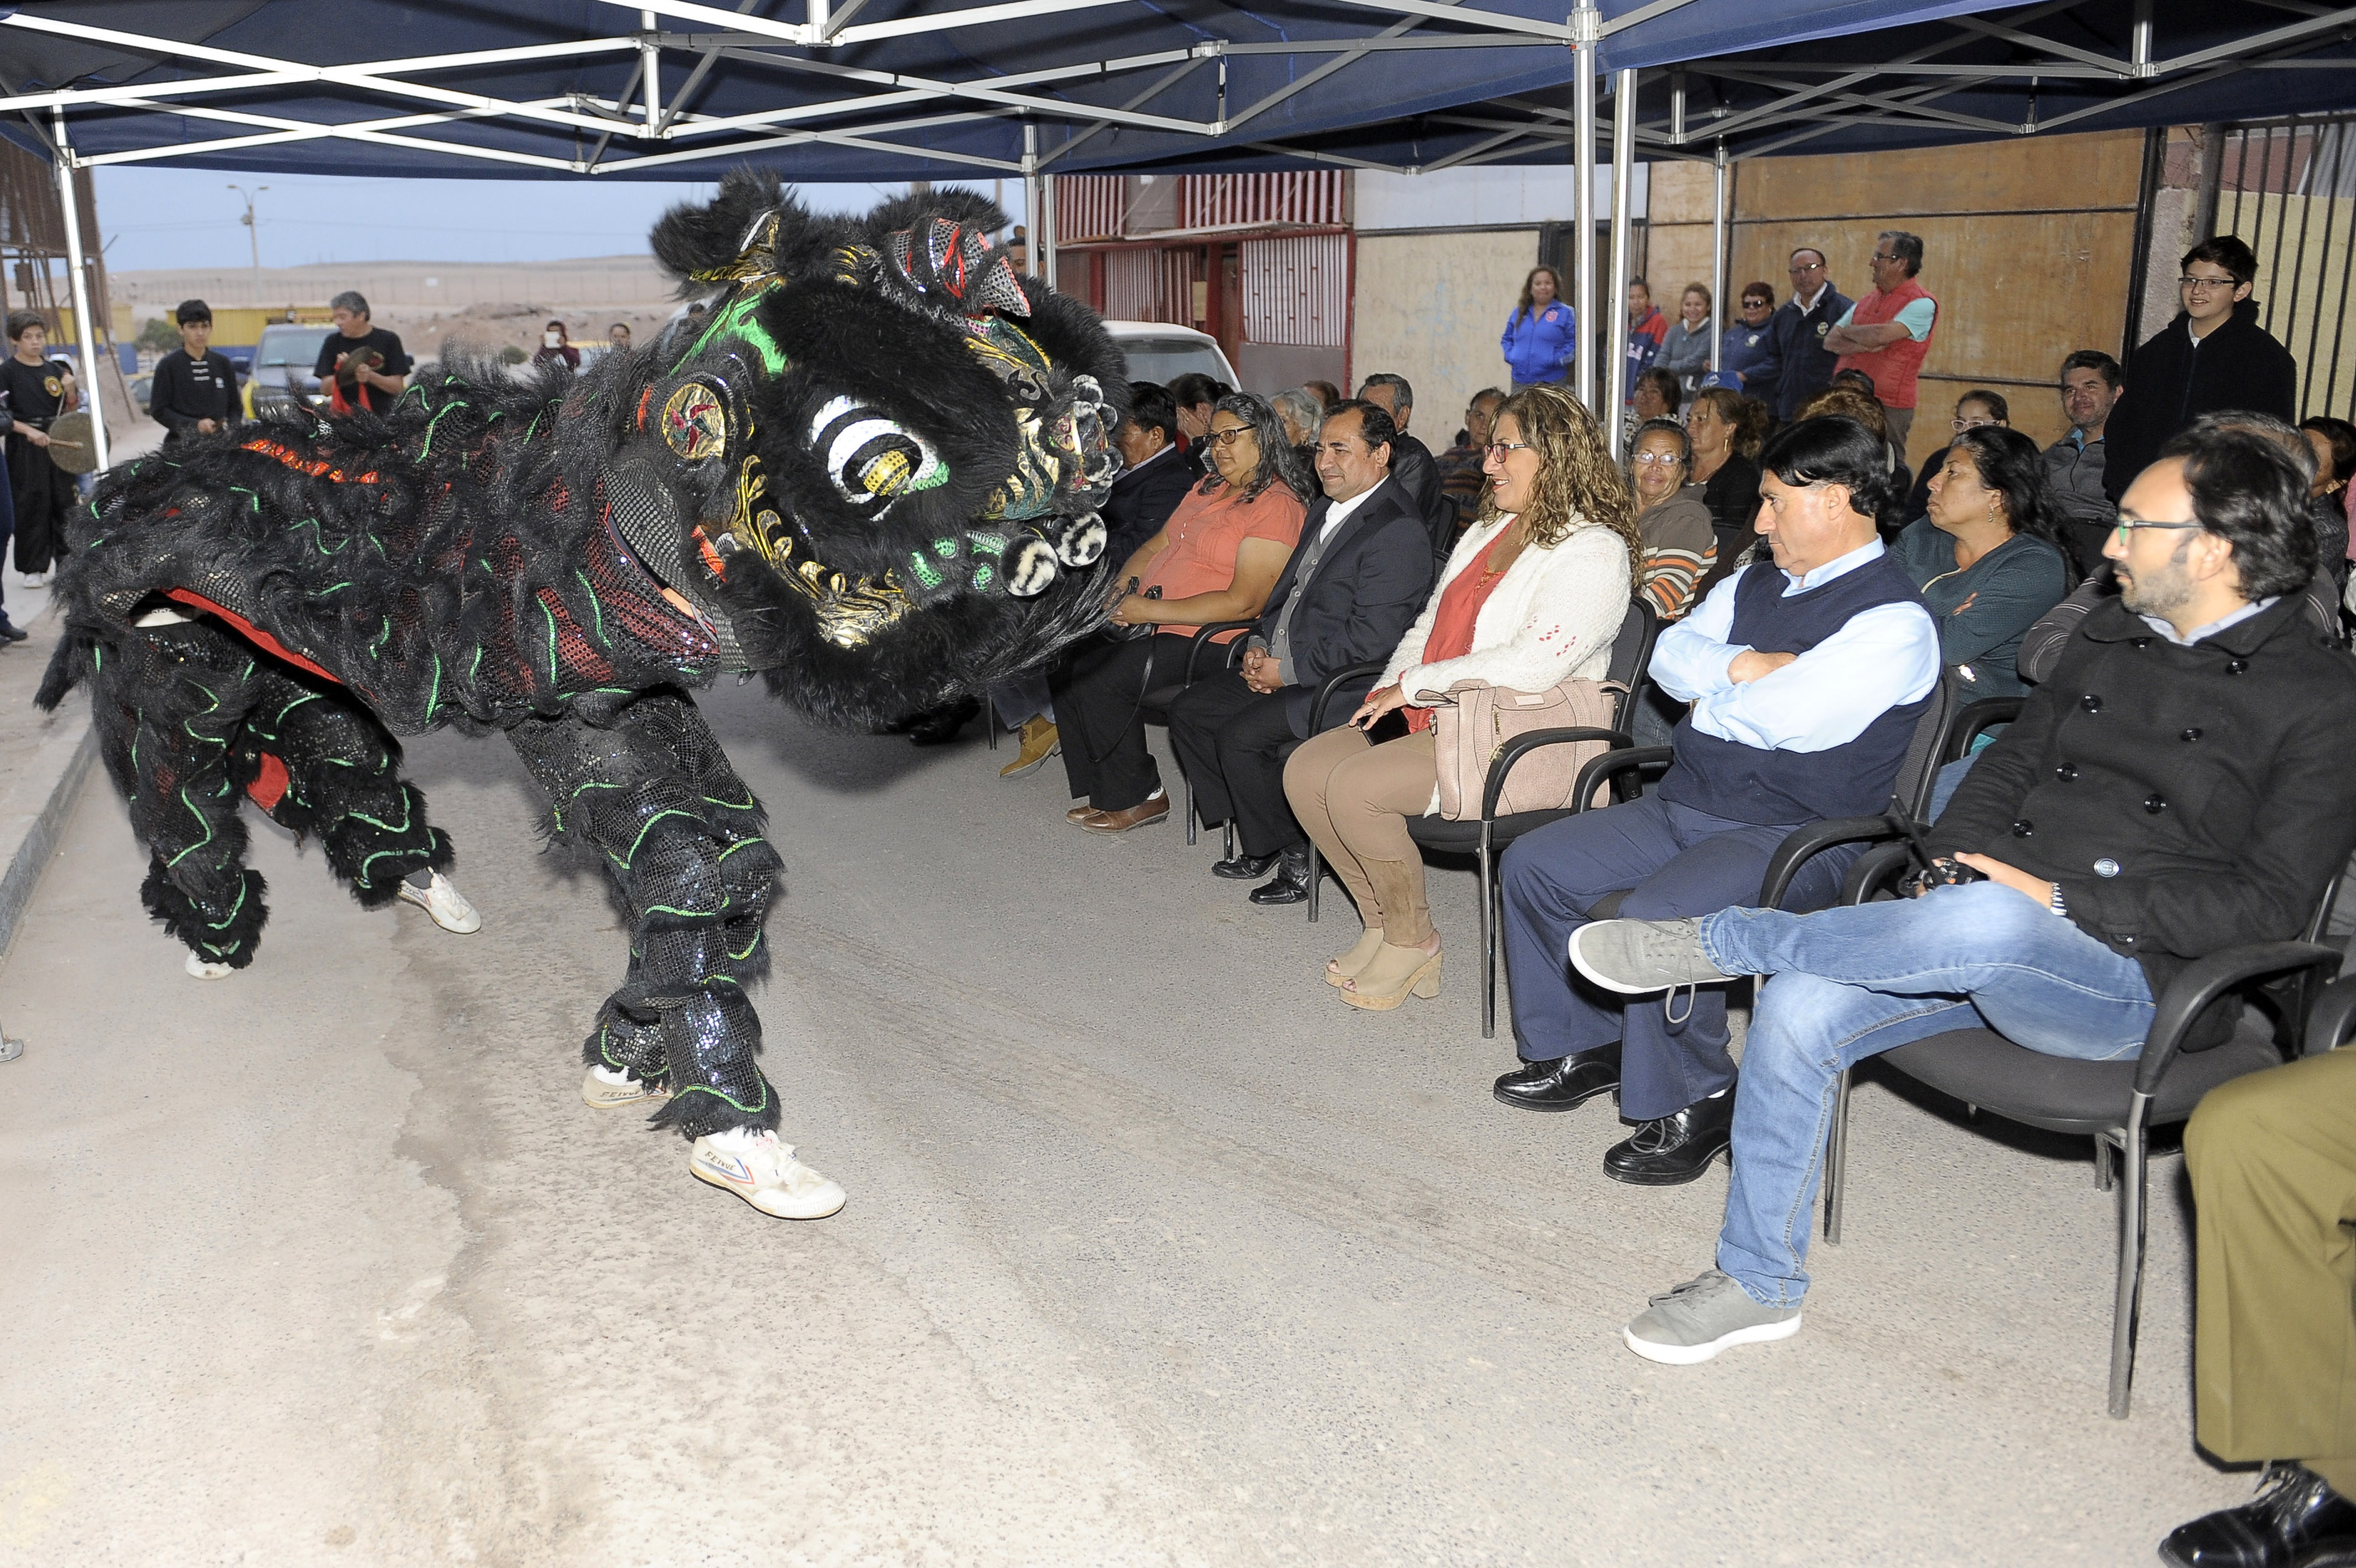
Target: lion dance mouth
pixel 864 462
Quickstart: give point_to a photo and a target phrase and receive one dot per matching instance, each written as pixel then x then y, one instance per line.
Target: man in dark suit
pixel 1154 477
pixel 1356 581
pixel 1412 465
pixel 1800 325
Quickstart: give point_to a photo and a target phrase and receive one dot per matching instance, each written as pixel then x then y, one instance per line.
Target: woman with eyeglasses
pixel 1986 555
pixel 1747 355
pixel 1975 408
pixel 1216 559
pixel 1680 537
pixel 1532 595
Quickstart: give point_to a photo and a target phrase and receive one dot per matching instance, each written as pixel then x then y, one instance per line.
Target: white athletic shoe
pixel 762 1171
pixel 204 970
pixel 610 1088
pixel 445 903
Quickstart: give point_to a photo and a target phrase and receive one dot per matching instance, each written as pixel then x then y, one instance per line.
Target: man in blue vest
pixel 1807 676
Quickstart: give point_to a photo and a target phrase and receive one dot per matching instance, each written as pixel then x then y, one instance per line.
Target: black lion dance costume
pixel 867 468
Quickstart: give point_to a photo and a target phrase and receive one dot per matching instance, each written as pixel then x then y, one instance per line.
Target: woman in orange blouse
pixel 1216 559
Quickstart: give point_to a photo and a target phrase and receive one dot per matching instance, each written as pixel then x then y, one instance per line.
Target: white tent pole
pixel 85 329
pixel 1046 229
pixel 1623 175
pixel 1587 21
pixel 1032 201
pixel 1718 262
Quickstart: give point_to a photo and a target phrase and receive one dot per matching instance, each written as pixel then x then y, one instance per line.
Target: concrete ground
pixel 1155 1253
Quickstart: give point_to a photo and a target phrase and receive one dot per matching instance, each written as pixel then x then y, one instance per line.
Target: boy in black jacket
pixel 196 388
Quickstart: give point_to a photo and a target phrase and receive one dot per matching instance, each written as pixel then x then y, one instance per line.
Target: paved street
pixel 1155 1253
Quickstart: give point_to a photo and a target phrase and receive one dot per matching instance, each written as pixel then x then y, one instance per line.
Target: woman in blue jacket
pixel 1747 358
pixel 1540 339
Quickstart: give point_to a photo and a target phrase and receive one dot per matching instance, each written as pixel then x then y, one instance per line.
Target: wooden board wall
pixel 2027 246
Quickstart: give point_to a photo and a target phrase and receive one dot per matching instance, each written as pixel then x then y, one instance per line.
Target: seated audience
pixel 1153 476
pixel 1463 476
pixel 1656 395
pixel 2272 1162
pixel 1680 543
pixel 1362 569
pixel 1412 462
pixel 1747 359
pixel 1851 394
pixel 2334 441
pixel 1327 393
pixel 1986 556
pixel 1300 412
pixel 1197 397
pixel 2183 783
pixel 1975 409
pixel 1533 596
pixel 1806 674
pixel 1216 559
pixel 1727 429
pixel 2073 464
pixel 1684 351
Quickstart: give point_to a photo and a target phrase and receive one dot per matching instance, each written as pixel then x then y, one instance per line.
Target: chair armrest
pixel 1802 844
pixel 1611 764
pixel 2209 978
pixel 1522 744
pixel 1976 720
pixel 1338 682
pixel 1873 871
pixel 2333 1017
pixel 1203 634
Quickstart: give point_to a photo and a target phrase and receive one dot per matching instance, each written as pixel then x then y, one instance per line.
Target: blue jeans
pixel 1853 983
pixel 1019 699
pixel 1675 861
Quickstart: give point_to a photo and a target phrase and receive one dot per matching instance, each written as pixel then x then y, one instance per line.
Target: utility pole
pixel 253 233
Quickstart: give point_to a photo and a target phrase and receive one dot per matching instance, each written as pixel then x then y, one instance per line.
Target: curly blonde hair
pixel 1578 483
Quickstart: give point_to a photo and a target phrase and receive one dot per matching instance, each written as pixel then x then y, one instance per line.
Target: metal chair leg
pixel 1186 800
pixel 1316 875
pixel 2101 1162
pixel 2135 1181
pixel 1837 1162
pixel 1230 839
pixel 989 724
pixel 1488 936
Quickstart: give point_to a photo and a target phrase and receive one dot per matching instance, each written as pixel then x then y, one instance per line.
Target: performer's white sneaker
pixel 762 1171
pixel 445 903
pixel 610 1088
pixel 204 970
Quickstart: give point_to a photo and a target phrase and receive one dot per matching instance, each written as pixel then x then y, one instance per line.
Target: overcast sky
pixel 169 217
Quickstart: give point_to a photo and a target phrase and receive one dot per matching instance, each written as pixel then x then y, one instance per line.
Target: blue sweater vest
pixel 1748 784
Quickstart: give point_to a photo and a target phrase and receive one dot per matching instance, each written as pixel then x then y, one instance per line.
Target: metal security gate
pixel 2289 189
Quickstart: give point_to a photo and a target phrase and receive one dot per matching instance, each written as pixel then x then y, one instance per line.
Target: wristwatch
pixel 2059 905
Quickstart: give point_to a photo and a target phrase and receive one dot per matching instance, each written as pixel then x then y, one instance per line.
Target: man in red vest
pixel 1886 333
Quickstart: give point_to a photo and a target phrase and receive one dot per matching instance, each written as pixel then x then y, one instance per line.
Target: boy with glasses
pixel 2213 356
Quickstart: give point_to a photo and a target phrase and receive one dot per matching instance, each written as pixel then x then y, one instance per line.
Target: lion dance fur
pixel 867 469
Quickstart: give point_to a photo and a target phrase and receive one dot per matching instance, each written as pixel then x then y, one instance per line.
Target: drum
pixel 74 445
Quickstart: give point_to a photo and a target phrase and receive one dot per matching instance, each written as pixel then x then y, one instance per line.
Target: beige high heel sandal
pixel 1386 983
pixel 1347 966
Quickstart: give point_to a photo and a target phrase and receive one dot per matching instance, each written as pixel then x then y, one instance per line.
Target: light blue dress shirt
pixel 1884 658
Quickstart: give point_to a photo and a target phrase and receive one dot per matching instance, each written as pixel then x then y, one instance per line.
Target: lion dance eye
pixel 872 459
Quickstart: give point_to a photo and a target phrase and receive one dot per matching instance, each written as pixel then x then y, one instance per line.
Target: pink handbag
pixel 1473 722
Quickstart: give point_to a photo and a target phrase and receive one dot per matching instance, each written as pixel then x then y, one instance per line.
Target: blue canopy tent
pixel 847 90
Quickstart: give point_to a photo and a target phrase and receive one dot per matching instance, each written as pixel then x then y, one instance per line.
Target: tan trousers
pixel 2273 1160
pixel 1354 801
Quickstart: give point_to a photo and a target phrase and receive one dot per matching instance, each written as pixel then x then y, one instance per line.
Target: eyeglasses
pixel 1657 459
pixel 1754 305
pixel 1963 424
pixel 2124 527
pixel 1222 438
pixel 1498 449
pixel 1881 256
pixel 1805 268
pixel 2203 286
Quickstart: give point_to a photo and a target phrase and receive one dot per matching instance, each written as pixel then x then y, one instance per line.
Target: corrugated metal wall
pixel 1148 284
pixel 1256 201
pixel 2289 189
pixel 1090 207
pixel 1296 289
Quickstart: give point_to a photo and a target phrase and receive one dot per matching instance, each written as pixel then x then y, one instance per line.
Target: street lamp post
pixel 253 233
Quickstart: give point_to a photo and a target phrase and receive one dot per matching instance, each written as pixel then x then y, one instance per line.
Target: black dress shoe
pixel 1675 1149
pixel 1560 1085
pixel 1242 867
pixel 940 726
pixel 9 632
pixel 1291 883
pixel 2295 1512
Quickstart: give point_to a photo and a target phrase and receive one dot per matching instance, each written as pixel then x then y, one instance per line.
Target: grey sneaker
pixel 1704 1316
pixel 1637 957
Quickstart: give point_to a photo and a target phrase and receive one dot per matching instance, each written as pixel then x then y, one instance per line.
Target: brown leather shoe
pixel 1152 808
pixel 1040 742
pixel 1081 813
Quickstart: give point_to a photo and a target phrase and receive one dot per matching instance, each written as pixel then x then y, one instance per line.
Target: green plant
pixel 158 334
pixel 511 355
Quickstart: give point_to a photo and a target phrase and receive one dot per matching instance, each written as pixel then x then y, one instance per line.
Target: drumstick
pixel 61 441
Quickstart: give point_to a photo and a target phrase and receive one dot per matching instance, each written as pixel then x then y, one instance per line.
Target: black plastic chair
pixel 1485 836
pixel 1155 702
pixel 2117 1104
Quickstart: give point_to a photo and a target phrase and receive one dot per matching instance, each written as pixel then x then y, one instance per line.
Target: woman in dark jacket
pixel 1986 556
pixel 1727 429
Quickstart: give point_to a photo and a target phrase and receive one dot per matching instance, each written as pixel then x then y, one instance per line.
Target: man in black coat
pixel 1800 324
pixel 195 390
pixel 1412 465
pixel 2214 355
pixel 1154 475
pixel 2183 783
pixel 1352 588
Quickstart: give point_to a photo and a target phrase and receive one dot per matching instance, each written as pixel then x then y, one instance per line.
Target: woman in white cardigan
pixel 1533 595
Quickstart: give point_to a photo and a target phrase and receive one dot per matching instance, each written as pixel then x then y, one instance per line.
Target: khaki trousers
pixel 1353 800
pixel 2273 1161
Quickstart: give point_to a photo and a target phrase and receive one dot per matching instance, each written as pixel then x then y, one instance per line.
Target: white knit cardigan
pixel 1553 617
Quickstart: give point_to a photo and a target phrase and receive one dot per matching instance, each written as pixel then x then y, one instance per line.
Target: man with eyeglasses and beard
pixel 2182 783
pixel 2213 356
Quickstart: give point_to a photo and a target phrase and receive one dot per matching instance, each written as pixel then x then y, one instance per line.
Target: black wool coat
pixel 2168 383
pixel 2185 800
pixel 1368 587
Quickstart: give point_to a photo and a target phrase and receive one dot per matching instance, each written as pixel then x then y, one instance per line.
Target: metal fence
pixel 2289 189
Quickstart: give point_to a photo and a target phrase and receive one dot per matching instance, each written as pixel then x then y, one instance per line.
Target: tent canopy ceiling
pixel 852 90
